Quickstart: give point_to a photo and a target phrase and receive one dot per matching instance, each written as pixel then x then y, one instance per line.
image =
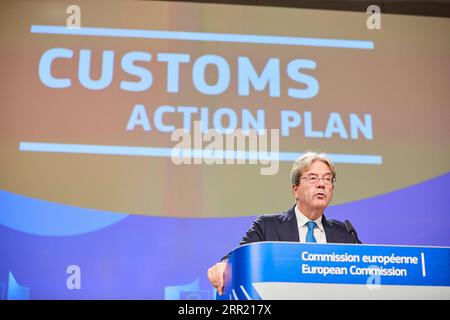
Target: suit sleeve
pixel 254 234
pixel 256 231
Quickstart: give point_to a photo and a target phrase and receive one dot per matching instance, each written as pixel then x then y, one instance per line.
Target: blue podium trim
pixel 286 262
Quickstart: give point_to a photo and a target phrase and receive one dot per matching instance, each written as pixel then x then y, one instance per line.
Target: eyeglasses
pixel 314 179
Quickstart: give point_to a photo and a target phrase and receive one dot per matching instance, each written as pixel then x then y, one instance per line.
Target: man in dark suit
pixel 284 227
pixel 312 177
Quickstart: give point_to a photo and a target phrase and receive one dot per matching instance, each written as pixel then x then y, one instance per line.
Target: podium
pixel 288 270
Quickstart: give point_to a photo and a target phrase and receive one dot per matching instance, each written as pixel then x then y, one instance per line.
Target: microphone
pixel 352 231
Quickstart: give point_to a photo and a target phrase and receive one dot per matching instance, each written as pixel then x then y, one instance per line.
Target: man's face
pixel 314 196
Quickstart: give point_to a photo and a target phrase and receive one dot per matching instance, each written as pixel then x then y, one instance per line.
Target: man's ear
pixel 294 189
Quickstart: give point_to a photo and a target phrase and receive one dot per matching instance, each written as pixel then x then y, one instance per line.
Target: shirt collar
pixel 302 220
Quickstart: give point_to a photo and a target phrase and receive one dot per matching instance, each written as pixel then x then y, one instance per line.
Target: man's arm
pixel 216 274
pixel 256 231
pixel 254 234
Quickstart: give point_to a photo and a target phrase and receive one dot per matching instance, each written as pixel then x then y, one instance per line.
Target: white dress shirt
pixel 319 232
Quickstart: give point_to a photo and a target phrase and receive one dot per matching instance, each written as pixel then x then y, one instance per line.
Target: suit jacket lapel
pixel 288 228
